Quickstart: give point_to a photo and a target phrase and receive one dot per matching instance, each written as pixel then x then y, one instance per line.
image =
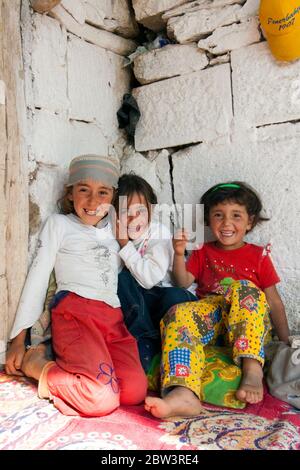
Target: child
pixel 144 286
pixel 236 286
pixel 97 365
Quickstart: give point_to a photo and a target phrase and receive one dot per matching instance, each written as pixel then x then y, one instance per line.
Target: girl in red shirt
pixel 236 285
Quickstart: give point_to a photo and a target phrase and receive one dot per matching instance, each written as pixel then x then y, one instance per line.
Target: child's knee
pixel 134 389
pixel 177 313
pixel 244 289
pixel 100 405
pixel 88 397
pixel 98 399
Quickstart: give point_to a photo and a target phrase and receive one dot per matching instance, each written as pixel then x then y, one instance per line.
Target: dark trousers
pixel 144 308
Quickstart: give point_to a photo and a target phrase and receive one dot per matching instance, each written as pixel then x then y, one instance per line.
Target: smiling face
pixel 136 216
pixel 229 223
pixel 91 200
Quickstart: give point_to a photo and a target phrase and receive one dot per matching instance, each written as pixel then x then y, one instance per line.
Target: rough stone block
pixel 147 8
pixel 220 59
pixel 264 90
pixel 55 140
pixel 232 37
pixel 149 12
pixel 96 83
pixel 169 61
pixel 105 39
pixel 248 10
pixel 76 9
pixel 182 110
pixel 193 26
pixel 48 64
pixel 156 172
pixel 113 16
pixel 199 5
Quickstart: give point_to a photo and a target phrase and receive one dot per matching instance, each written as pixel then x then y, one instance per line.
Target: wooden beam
pixel 3 208
pixel 13 165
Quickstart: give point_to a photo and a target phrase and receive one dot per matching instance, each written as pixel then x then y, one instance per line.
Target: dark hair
pixel 130 183
pixel 234 191
pixel 65 206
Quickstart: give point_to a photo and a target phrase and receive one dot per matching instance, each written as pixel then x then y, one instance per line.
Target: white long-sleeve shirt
pixel 85 259
pixel 150 258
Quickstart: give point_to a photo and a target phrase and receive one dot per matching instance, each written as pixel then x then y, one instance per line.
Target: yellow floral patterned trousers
pixel 238 319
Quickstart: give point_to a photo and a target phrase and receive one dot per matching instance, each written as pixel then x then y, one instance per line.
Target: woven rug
pixel 26 422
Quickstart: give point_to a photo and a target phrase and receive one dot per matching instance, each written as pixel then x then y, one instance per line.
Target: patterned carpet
pixel 29 423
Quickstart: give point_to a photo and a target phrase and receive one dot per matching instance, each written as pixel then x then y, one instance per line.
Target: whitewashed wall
pixel 216 106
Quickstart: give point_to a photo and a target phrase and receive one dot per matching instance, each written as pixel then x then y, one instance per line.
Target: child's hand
pixel 14 358
pixel 121 234
pixel 180 241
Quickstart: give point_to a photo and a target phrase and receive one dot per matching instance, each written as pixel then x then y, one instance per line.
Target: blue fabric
pixel 179 357
pixel 57 298
pixel 144 308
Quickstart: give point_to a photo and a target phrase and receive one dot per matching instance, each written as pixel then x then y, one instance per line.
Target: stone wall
pixel 215 106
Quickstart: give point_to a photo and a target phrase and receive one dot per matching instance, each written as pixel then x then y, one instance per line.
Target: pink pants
pixel 97 360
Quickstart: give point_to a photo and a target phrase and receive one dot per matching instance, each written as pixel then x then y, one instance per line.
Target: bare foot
pixel 34 361
pixel 180 402
pixel 251 386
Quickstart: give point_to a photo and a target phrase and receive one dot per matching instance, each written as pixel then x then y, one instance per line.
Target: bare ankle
pixel 251 386
pixel 179 401
pixel 252 365
pixel 33 362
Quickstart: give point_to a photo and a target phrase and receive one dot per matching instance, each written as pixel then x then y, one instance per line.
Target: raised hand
pixel 121 233
pixel 180 241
